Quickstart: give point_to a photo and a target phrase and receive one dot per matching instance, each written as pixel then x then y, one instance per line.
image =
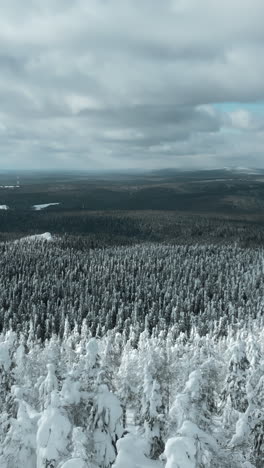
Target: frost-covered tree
pixel 191 447
pixel 106 426
pixel 236 380
pixel 257 423
pixel 46 386
pixel 53 435
pixel 197 401
pixel 153 415
pixel 7 349
pixel 191 421
pixel 79 457
pixel 19 446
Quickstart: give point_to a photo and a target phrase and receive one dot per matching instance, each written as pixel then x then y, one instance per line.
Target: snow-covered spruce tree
pixel 86 372
pixel 254 352
pixel 155 421
pixel 79 457
pixel 83 395
pixel 52 351
pixel 241 442
pixel 110 358
pixel 127 380
pixel 155 395
pixel 8 403
pixel 8 345
pixel 193 448
pixel 78 405
pixel 46 386
pixel 258 433
pixel 152 415
pixel 249 432
pixel 106 426
pixel 19 446
pixel 191 422
pixel 236 380
pixel 78 393
pixel 20 370
pixel 197 402
pixel 53 435
pixel 257 423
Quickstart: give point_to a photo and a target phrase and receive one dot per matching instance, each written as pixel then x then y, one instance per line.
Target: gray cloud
pixel 131 83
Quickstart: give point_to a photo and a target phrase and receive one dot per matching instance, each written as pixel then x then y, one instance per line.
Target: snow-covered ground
pixel 3 207
pixel 46 236
pixel 43 206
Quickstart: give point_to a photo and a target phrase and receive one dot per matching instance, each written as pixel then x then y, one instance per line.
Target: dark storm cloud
pixel 125 83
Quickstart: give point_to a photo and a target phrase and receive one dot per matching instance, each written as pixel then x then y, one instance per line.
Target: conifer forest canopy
pixel 131 335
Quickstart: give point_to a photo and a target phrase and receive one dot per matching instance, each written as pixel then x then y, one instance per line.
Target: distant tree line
pixel 124 227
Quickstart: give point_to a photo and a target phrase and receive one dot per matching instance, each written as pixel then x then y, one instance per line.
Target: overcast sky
pixel 115 84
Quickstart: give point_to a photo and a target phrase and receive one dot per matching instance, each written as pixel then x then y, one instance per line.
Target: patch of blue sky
pixel 254 107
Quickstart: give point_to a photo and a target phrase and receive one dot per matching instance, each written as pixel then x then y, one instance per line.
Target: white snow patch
pixel 75 463
pixel 43 206
pixel 46 236
pixel 3 207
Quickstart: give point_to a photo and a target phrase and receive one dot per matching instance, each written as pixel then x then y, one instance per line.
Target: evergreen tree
pixel 53 435
pixel 106 426
pixel 236 380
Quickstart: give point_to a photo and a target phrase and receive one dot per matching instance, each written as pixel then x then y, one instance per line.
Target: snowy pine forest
pixel 147 356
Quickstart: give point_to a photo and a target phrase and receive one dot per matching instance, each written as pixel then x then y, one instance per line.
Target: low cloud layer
pixel 114 84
